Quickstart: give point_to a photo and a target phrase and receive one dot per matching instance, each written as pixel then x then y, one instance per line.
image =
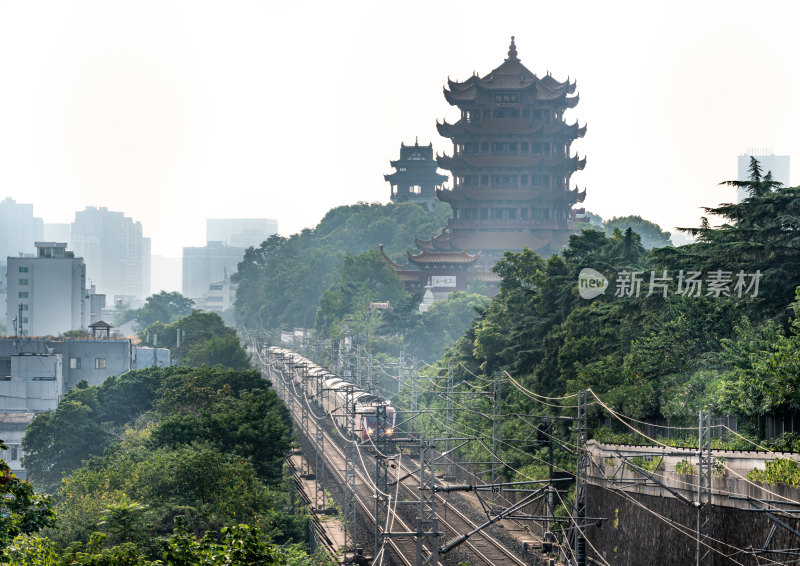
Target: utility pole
pixel 414 393
pixel 381 477
pixel 497 427
pixel 349 472
pixel 581 472
pixel 305 464
pixel 320 500
pixel 427 524
pixel 358 365
pixel 705 553
pixel 449 422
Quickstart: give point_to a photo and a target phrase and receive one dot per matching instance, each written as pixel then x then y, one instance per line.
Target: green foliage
pixel 777 471
pixel 226 350
pixel 89 418
pixel 685 467
pixel 653 464
pixel 443 324
pixel 164 307
pixel 650 233
pixel 362 279
pixel 281 282
pixel 239 544
pixel 22 510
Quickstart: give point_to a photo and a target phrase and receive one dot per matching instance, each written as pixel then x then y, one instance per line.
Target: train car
pixel 308 377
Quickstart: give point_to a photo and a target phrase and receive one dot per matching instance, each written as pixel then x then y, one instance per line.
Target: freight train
pixel 330 393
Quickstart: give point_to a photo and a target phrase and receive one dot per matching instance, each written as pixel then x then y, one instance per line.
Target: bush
pixel 685 467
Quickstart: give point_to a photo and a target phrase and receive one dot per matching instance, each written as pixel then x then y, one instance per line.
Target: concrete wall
pixel 648 525
pixel 99 359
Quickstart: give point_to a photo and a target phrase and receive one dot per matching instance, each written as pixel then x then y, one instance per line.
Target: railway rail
pixel 481 548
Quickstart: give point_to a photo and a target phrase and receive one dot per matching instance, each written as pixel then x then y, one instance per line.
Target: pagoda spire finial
pixel 512 51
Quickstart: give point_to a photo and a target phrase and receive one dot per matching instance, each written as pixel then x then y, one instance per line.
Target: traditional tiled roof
pixel 437 243
pixel 429 257
pixel 511 75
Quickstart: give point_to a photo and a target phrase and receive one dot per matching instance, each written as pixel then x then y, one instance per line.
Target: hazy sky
pixel 177 111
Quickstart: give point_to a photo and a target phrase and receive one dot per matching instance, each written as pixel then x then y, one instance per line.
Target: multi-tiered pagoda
pixel 511 163
pixel 511 168
pixel 415 178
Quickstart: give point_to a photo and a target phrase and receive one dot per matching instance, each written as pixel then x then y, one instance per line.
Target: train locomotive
pixel 329 392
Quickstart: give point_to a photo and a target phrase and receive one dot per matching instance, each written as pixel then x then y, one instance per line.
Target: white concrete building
pixel 220 296
pixel 46 291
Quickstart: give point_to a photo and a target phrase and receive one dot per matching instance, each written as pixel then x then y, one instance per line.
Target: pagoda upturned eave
pixel 452 258
pixel 540 91
pixel 398 176
pixel 505 127
pixel 552 196
pixel 482 162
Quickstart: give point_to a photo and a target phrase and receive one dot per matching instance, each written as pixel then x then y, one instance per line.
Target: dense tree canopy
pixel 162 307
pixel 282 281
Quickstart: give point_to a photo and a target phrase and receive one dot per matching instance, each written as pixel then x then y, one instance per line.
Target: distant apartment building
pixel 202 266
pixel 46 292
pixel 240 232
pixel 117 255
pixel 19 229
pixel 769 162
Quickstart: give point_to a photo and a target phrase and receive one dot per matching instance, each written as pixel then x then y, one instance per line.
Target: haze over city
pixel 176 112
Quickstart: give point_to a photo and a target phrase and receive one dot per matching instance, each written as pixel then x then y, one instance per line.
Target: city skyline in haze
pixel 178 112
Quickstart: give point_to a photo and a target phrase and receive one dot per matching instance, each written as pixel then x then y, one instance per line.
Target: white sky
pixel 173 112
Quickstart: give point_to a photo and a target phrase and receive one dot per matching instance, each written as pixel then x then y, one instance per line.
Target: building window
pixel 23 281
pixel 23 269
pixel 24 307
pixel 74 363
pixel 23 294
pixel 99 363
pixel 24 320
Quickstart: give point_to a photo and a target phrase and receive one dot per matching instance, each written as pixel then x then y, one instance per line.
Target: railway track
pixel 481 548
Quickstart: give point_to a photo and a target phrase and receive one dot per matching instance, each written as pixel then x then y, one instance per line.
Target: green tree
pixel 22 510
pixel 225 350
pixel 162 307
pixel 363 279
pixel 651 234
pixel 58 441
pixel 281 282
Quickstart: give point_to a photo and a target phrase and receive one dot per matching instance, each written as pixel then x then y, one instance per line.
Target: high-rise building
pixel 415 178
pixel 19 229
pixel 240 232
pixel 205 265
pixel 117 255
pixel 46 291
pixel 778 165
